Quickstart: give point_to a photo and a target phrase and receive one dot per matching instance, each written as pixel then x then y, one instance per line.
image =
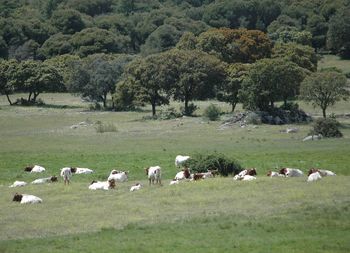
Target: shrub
pixel 253 118
pixel 212 112
pixel 105 127
pixel 215 161
pixel 191 108
pixel 328 127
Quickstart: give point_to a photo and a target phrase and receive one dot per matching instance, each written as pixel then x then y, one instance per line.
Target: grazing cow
pixel 45 180
pixel 66 173
pixel 119 176
pixel 289 172
pixel 17 184
pixel 323 173
pixel 180 159
pixel 34 169
pixel 83 171
pixel 135 187
pixel 26 199
pixel 105 185
pixel 314 177
pixel 184 174
pixel 154 174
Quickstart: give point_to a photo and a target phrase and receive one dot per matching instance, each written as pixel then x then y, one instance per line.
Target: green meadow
pixel 216 215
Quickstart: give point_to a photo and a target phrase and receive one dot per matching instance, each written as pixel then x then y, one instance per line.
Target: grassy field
pixel 219 215
pixel 334 61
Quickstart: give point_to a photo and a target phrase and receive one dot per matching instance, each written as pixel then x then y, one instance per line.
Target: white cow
pixel 289 172
pixel 83 171
pixel 154 174
pixel 27 199
pixel 274 174
pixel 314 177
pixel 34 169
pixel 17 184
pixel 45 180
pixel 135 187
pixel 102 185
pixel 180 159
pixel 323 173
pixel 118 176
pixel 184 174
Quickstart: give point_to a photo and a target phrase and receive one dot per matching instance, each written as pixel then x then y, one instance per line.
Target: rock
pixel 313 137
pixel 292 130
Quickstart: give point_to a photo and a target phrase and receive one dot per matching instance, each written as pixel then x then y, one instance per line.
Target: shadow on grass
pixel 59 106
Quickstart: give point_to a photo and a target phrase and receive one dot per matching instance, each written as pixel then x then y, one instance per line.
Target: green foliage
pixel 189 110
pixel 67 21
pixel 235 74
pixel 328 127
pixel 212 112
pixel 91 7
pixel 324 89
pixel 96 40
pixel 338 35
pixel 215 161
pixel 304 56
pixel 268 81
pixel 235 45
pixel 57 44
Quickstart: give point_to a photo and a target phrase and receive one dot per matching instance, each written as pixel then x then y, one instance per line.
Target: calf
pixel 18 183
pixel 45 180
pixel 240 175
pixel 83 171
pixel 135 187
pixel 26 199
pixel 154 174
pixel 273 174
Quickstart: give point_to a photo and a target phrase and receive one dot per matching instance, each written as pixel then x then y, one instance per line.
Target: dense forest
pixel 150 51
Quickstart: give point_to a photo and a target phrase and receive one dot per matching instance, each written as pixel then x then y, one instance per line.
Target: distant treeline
pixel 127 53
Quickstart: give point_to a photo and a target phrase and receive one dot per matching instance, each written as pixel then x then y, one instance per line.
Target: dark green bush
pixel 215 161
pixel 212 112
pixel 328 127
pixel 190 109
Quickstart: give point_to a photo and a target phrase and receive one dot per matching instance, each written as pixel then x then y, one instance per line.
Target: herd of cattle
pixel 154 177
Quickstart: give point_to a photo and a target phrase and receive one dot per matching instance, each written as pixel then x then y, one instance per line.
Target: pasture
pixel 217 215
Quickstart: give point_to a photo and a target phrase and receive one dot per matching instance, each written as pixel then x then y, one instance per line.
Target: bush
pixel 191 108
pixel 328 127
pixel 102 127
pixel 212 112
pixel 215 161
pixel 253 118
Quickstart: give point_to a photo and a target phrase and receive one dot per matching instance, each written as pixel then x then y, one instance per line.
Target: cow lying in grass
pixel 77 170
pixel 102 185
pixel 289 172
pixel 17 184
pixel 45 180
pixel 135 187
pixel 246 172
pixel 34 169
pixel 27 199
pixel 315 176
pixel 323 173
pixel 118 176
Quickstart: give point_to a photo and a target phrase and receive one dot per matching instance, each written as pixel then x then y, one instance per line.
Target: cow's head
pixel 17 197
pixel 111 183
pixel 283 171
pixel 269 173
pixel 312 170
pixel 28 168
pixel 53 179
pixel 73 169
pixel 146 170
pixel 251 172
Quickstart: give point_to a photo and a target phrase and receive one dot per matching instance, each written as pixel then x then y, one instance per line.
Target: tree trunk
pixel 186 106
pixel 8 99
pixel 324 112
pixel 36 94
pixel 153 109
pixel 104 99
pixel 233 106
pixel 30 96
